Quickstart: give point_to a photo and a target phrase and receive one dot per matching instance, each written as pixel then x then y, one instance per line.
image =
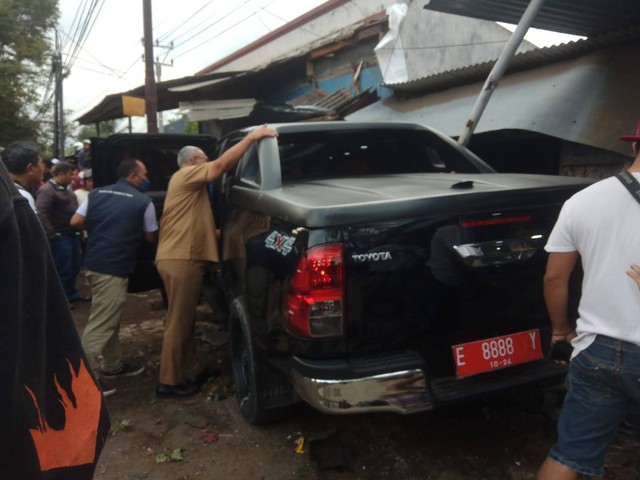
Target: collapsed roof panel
pixel 575 17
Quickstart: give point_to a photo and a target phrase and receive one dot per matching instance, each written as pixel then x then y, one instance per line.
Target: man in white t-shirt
pixel 26 167
pixel 600 226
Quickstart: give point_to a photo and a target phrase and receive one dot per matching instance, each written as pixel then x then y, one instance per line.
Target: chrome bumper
pixel 399 392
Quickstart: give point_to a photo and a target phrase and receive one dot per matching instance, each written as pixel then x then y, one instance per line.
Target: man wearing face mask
pixel 117 218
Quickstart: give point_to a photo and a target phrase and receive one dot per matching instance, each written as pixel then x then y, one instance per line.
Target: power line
pixel 86 30
pixel 225 30
pixel 211 25
pixel 75 24
pixel 73 35
pixel 453 45
pixel 171 32
pixel 113 70
pixel 284 20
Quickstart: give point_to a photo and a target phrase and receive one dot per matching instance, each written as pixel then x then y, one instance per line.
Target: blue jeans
pixel 67 257
pixel 603 384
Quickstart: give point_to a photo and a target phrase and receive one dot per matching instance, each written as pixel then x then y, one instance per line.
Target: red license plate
pixel 496 353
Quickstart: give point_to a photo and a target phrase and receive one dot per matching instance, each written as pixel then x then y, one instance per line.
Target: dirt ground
pixel 205 437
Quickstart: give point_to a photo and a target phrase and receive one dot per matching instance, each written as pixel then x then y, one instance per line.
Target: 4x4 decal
pixel 279 242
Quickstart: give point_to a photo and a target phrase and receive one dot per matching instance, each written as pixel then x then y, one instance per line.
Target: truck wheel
pixel 249 374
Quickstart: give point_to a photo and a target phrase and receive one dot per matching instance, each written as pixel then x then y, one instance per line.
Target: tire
pixel 250 375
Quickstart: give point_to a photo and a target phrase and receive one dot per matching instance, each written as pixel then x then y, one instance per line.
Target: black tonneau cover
pixel 368 199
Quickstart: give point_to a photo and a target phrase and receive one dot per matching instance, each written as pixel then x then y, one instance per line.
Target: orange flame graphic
pixel 74 445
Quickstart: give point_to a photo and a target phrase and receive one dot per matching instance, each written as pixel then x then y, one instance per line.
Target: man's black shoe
pixel 125 370
pixel 182 390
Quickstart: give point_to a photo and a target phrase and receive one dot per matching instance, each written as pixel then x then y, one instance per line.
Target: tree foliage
pixel 107 127
pixel 26 32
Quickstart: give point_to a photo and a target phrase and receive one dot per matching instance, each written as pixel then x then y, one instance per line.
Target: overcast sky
pixel 108 58
pixel 105 55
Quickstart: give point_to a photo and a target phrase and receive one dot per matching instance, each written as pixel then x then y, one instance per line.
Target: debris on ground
pixel 210 438
pixel 121 426
pixel 170 455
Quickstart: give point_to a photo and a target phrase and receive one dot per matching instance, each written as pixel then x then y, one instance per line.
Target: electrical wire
pixel 98 61
pixel 223 31
pixel 75 24
pixel 86 30
pixel 174 30
pixel 287 21
pixel 177 45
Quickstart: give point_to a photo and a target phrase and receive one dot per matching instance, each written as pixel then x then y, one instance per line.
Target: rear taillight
pixel 314 305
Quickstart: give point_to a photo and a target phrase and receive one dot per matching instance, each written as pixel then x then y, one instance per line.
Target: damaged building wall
pixel 583 100
pixel 340 43
pixel 432 42
pixel 333 26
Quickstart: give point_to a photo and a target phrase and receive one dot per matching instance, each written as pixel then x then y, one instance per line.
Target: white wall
pixel 433 42
pixel 310 35
pixel 437 42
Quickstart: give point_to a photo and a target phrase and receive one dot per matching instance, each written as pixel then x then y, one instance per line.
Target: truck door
pixel 159 154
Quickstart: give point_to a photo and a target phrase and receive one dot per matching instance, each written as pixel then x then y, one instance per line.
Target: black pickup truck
pixel 374 267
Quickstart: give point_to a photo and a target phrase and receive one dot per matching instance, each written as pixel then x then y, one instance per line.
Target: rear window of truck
pixel 322 155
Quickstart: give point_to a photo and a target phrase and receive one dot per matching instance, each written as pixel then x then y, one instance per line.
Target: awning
pixel 111 106
pixel 589 100
pixel 218 109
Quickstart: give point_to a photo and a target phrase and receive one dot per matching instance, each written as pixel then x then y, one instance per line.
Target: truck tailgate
pixel 432 283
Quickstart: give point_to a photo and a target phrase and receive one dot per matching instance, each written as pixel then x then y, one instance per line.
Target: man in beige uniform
pixel 186 250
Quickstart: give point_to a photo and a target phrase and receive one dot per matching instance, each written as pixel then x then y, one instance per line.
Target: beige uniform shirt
pixel 187 228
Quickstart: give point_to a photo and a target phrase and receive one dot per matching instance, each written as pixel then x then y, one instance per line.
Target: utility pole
pixel 58 110
pixel 150 93
pixel 159 63
pixel 499 68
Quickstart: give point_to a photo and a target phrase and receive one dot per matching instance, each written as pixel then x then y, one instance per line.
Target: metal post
pixel 158 79
pixel 499 68
pixel 159 63
pixel 58 113
pixel 61 105
pixel 56 130
pixel 150 92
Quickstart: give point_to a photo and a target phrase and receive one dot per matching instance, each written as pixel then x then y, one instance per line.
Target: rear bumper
pixel 398 384
pixel 395 383
pixel 452 389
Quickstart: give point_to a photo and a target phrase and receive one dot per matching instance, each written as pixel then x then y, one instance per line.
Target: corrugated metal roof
pixel 254 84
pixel 577 17
pixel 321 98
pixel 341 102
pixel 588 100
pixel 520 62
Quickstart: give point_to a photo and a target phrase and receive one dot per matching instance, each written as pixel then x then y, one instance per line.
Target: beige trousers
pixel 100 337
pixel 182 280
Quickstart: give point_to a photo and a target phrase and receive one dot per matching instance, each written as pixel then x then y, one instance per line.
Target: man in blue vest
pixel 117 219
